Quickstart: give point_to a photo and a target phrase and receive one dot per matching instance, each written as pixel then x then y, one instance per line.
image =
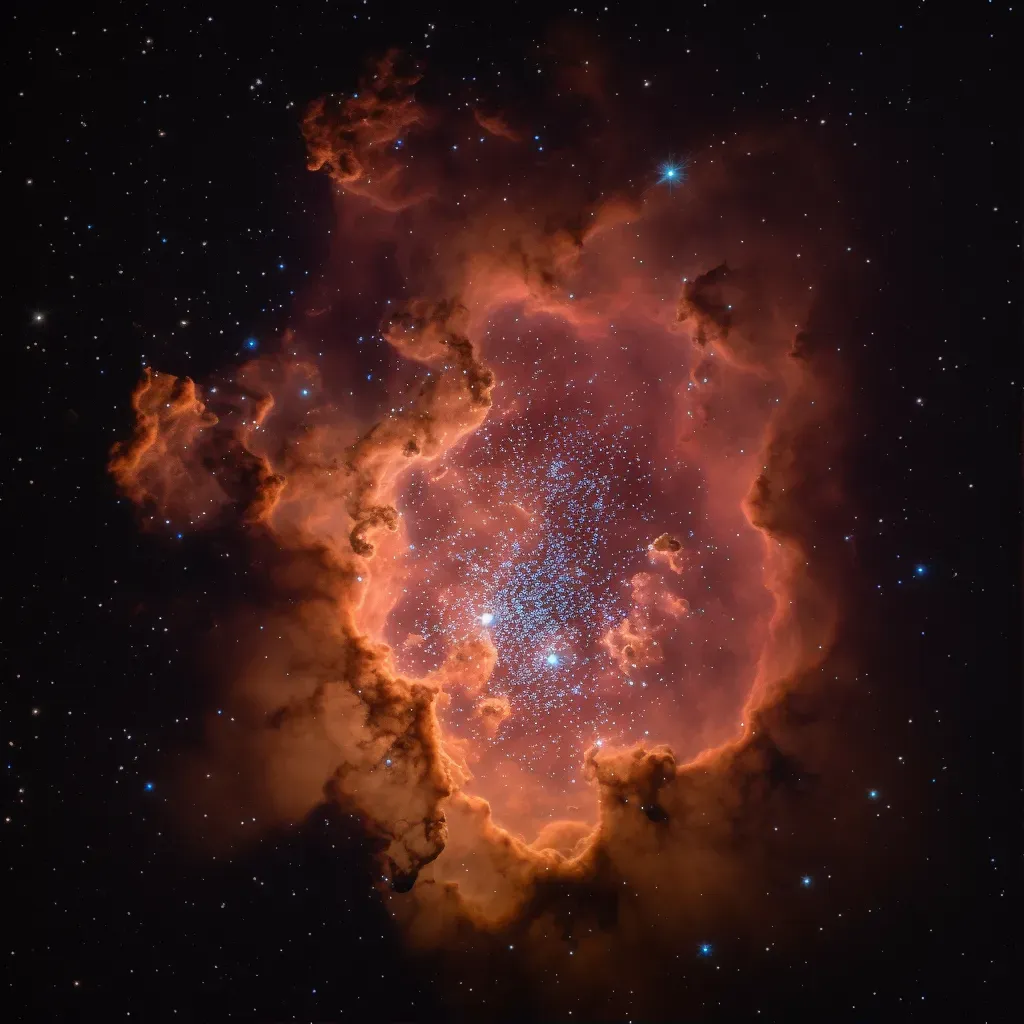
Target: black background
pixel 104 914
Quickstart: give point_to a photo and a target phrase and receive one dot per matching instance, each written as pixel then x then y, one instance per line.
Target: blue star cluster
pixel 544 534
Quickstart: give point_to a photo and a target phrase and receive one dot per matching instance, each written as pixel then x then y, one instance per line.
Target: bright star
pixel 806 881
pixel 552 659
pixel 148 787
pixel 704 949
pixel 671 173
pixel 920 570
pixel 251 343
pixel 487 618
pixel 872 794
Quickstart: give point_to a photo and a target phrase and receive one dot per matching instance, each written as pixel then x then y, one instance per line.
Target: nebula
pixel 526 603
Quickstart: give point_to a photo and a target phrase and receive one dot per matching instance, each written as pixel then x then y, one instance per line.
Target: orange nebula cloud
pixel 527 612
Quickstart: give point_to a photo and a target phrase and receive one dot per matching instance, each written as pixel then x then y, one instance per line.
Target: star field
pixel 163 217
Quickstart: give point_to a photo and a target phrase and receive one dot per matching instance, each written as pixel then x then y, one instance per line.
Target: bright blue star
pixel 704 949
pixel 872 794
pixel 304 392
pixel 552 659
pixel 671 173
pixel 805 881
pixel 251 343
pixel 920 570
pixel 148 787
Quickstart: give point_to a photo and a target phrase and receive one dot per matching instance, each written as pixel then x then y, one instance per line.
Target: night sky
pixel 163 216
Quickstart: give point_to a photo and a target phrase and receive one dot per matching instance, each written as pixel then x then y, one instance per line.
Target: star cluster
pixel 543 560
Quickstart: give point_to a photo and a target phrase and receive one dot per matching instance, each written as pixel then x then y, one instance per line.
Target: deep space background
pixel 160 212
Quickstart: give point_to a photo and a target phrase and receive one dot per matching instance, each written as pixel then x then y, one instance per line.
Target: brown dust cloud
pixel 536 599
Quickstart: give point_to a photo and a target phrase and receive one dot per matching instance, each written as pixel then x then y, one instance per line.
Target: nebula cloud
pixel 528 612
